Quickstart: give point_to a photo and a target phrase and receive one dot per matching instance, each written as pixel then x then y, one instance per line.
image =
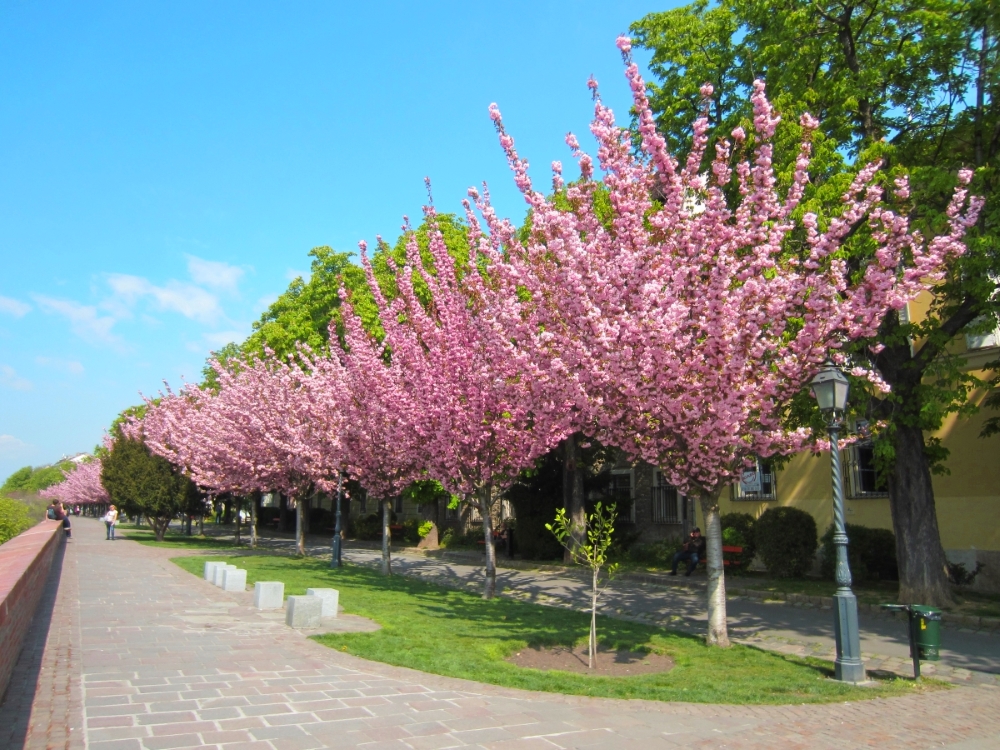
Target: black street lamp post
pixel 335 559
pixel 830 388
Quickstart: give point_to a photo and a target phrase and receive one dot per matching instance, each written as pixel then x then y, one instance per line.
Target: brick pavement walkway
pixel 168 661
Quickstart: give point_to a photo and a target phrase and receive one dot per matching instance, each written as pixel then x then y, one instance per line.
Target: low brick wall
pixel 25 562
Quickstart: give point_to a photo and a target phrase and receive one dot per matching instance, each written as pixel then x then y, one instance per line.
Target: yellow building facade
pixel 967 499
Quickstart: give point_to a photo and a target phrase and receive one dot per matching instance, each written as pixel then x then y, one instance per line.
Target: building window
pixel 863 481
pixel 757 483
pixel 397 504
pixel 623 494
pixel 985 340
pixel 363 502
pixel 665 501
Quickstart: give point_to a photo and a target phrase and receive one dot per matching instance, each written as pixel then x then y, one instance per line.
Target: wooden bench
pixel 726 550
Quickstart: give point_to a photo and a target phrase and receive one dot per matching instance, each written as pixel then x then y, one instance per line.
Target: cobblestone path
pixel 156 658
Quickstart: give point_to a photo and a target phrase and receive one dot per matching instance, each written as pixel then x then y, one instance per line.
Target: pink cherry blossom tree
pixel 679 311
pixel 82 486
pixel 270 425
pixel 382 424
pixel 479 423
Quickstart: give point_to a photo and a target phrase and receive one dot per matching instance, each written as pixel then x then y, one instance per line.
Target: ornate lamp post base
pixel 848 666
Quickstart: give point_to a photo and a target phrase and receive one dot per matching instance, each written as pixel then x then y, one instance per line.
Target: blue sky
pixel 166 167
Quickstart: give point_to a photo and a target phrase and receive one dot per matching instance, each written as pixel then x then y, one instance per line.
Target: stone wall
pixel 25 561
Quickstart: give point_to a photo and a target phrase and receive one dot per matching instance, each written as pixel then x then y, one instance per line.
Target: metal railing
pixel 768 488
pixel 621 496
pixel 861 477
pixel 665 505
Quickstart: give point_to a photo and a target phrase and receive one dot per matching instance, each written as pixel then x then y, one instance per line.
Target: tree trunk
pixel 592 647
pixel 485 504
pixel 386 560
pixel 923 567
pixel 300 538
pixel 718 631
pixel 160 526
pixel 254 503
pixel 923 572
pixel 239 526
pixel 573 492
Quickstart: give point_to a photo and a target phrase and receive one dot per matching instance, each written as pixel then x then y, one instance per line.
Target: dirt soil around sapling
pixel 607 663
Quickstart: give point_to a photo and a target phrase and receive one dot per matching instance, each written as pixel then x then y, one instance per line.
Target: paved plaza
pixel 132 653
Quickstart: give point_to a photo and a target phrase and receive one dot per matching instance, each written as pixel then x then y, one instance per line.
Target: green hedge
pixel 786 541
pixel 870 552
pixel 739 530
pixel 14 518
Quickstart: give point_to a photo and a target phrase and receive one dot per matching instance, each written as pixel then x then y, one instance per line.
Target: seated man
pixel 694 550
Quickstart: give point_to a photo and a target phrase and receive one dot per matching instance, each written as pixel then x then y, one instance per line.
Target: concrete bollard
pixel 234 579
pixel 303 611
pixel 220 571
pixel 268 594
pixel 330 598
pixel 210 567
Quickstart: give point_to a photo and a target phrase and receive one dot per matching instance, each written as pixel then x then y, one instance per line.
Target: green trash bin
pixel 925 630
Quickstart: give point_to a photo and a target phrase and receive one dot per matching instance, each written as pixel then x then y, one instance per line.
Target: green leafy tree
pixel 910 83
pixel 146 485
pixel 35 480
pixel 591 549
pixel 14 518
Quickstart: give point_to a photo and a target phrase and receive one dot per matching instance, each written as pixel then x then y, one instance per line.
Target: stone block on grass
pixel 234 579
pixel 220 571
pixel 330 599
pixel 268 594
pixel 303 611
pixel 210 567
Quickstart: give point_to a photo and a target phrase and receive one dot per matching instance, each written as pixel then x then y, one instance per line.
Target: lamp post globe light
pixel 830 387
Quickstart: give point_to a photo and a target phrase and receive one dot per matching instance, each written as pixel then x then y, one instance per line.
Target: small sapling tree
pixel 592 552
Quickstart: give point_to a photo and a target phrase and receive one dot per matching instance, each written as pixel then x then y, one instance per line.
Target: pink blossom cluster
pixel 82 486
pixel 677 326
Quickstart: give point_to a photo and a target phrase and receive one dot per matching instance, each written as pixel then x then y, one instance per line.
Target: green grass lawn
pixel 174 538
pixel 447 632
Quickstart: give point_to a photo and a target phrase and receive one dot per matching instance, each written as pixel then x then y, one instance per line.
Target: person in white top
pixel 110 519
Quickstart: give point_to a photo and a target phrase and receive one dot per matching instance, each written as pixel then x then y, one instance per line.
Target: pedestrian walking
pixel 110 519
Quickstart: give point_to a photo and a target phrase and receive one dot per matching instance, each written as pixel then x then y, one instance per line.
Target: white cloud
pixel 291 274
pixel 84 320
pixel 10 379
pixel 63 365
pixel 189 300
pixel 214 274
pixel 14 307
pixel 219 339
pixel 11 447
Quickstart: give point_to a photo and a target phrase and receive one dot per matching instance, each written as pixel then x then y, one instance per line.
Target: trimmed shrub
pixel 14 519
pixel 411 530
pixel 871 554
pixel 786 541
pixel 368 528
pixel 739 530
